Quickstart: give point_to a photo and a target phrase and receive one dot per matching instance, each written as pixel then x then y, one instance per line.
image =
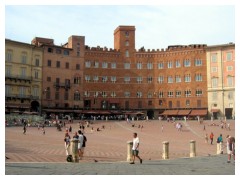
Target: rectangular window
pixel 214 58
pixel 187 78
pixel 113 79
pixel 104 79
pixel 8 90
pixel 178 64
pixel 67 65
pixel 214 82
pixel 178 93
pixel 229 56
pixel 230 81
pixel 170 93
pixel 77 66
pixel 160 65
pixel 36 74
pixel 170 64
pixel 95 78
pixel 149 79
pixel 36 62
pixel 113 65
pixel 49 79
pixel 87 78
pixel 139 65
pixel 127 94
pixel 187 93
pixel 35 92
pixel 150 95
pixel 160 79
pixel 198 77
pixel 170 79
pixel 126 65
pixel 8 71
pixel 126 79
pixel 139 94
pixel 58 64
pixel 49 63
pixel 87 64
pixel 24 58
pixel 161 94
pixel 96 64
pixel 187 63
pixel 104 65
pixel 149 65
pixel 178 78
pixel 198 62
pixel 214 69
pixel 23 72
pixel 9 56
pixel 199 92
pixel 139 79
pixel 229 68
pixel 113 94
pixel 66 52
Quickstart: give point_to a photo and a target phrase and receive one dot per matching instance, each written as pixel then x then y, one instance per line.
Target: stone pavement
pixel 208 165
pixel 35 153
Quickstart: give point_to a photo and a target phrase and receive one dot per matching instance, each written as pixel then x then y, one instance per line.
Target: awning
pixel 170 112
pixel 198 112
pixel 95 112
pixel 12 106
pixel 184 112
pixel 57 110
pixel 215 110
pixel 31 113
pixel 134 113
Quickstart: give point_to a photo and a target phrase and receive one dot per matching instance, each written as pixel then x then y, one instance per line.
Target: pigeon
pixel 7 157
pixel 95 160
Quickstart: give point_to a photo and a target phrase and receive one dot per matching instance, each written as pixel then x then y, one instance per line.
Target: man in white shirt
pixel 135 148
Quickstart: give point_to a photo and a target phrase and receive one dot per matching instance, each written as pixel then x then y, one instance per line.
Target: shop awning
pixel 57 110
pixel 184 112
pixel 215 110
pixel 170 112
pixel 198 112
pixel 95 112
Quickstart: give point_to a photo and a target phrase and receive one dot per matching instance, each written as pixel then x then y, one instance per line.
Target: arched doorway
pixel 35 106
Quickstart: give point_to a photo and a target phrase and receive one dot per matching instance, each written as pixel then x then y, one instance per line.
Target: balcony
pixel 62 85
pixel 18 78
pixel 18 96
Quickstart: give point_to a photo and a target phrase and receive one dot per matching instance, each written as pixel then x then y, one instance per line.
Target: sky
pixel 157 26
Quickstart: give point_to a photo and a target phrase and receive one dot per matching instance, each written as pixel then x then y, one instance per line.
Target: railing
pixel 20 96
pixel 64 85
pixel 18 77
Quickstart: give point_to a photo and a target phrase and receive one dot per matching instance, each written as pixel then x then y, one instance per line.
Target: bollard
pixel 165 154
pixel 74 150
pixel 129 151
pixel 192 148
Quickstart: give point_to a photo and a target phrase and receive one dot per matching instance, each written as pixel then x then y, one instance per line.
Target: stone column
pixel 74 150
pixel 165 154
pixel 129 151
pixel 192 148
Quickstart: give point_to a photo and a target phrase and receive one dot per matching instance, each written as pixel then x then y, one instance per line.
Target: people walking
pixel 135 148
pixel 211 137
pixel 81 144
pixel 67 139
pixel 219 144
pixel 24 129
pixel 230 148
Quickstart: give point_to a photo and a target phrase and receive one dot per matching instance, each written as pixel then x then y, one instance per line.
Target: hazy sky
pixel 156 26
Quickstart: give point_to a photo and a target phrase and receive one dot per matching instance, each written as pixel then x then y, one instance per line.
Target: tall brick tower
pixel 124 39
